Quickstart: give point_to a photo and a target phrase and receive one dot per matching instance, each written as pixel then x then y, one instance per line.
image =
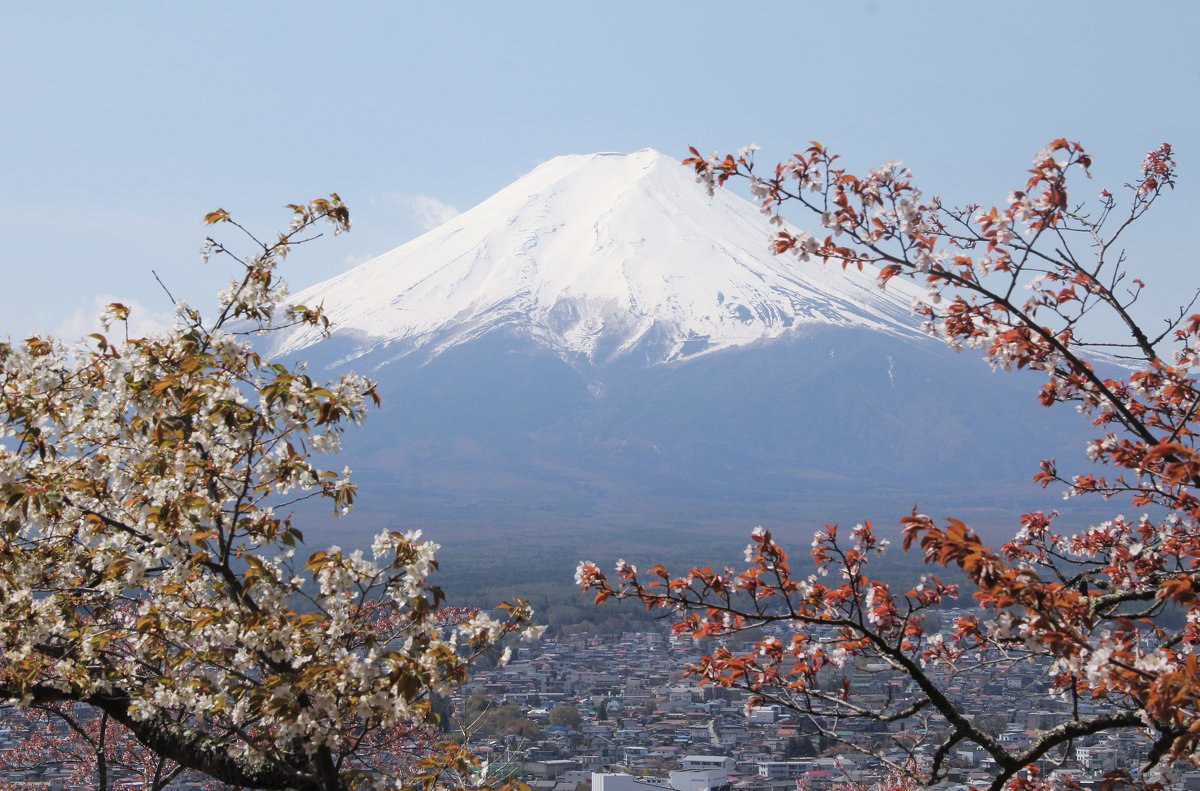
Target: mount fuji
pixel 595 257
pixel 602 352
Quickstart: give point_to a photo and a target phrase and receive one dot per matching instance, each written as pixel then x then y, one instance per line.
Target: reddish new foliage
pixel 1109 615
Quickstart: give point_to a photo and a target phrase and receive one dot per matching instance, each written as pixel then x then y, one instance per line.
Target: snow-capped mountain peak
pixel 596 256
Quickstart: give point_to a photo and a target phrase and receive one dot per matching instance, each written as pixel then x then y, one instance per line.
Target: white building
pixel 783 770
pixel 699 763
pixel 679 781
pixel 607 781
pixel 701 780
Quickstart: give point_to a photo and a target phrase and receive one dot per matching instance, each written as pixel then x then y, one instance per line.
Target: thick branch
pixel 188 746
pixel 1059 734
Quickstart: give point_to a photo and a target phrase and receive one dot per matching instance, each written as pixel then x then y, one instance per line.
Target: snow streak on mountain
pixel 596 257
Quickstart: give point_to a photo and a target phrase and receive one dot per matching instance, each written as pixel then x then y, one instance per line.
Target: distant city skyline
pixel 125 124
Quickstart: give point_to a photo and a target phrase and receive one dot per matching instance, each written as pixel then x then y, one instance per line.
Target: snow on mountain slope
pixel 595 256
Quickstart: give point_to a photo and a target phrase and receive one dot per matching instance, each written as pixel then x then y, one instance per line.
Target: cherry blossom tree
pixel 152 578
pixel 1108 616
pixel 95 752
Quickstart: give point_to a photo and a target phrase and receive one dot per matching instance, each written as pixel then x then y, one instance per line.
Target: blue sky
pixel 124 123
